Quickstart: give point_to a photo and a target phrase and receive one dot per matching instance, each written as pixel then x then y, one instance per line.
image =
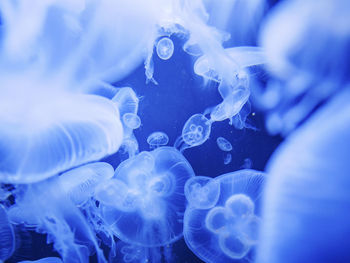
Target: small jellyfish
pixel 145 202
pixel 79 184
pixel 165 48
pixel 224 144
pixel 131 120
pixel 157 139
pixel 202 192
pixel 247 163
pixel 128 104
pixel 228 159
pixel 195 132
pixel 227 231
pixel 7 236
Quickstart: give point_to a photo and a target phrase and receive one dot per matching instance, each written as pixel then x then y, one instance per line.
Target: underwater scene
pixel 175 131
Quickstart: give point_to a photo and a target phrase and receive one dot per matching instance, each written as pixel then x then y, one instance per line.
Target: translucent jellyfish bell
pixel 202 192
pixel 41 137
pixel 165 48
pixel 7 235
pixel 79 184
pixel 131 120
pixel 154 181
pixel 227 231
pixel 157 139
pixel 224 144
pixel 195 132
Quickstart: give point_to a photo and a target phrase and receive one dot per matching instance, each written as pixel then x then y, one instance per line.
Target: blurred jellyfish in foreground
pixel 143 204
pixel 224 144
pixel 306 202
pixel 225 229
pixel 194 133
pixel 7 235
pixel 55 135
pixel 165 48
pixel 157 139
pixel 306 72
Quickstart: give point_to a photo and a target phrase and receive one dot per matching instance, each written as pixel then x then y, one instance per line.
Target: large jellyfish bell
pixel 222 226
pixel 47 132
pixel 143 204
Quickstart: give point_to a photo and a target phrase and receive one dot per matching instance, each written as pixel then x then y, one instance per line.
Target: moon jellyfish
pixel 165 48
pixel 228 159
pixel 224 144
pixel 202 192
pixel 44 260
pixel 55 135
pixel 131 120
pixel 231 105
pixel 79 184
pixel 157 139
pixel 305 76
pixel 45 207
pixel 128 104
pixel 227 231
pixel 145 202
pixel 7 235
pixel 244 57
pixel 195 132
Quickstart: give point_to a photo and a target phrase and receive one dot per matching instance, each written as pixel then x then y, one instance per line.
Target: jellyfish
pixel 128 104
pixel 7 235
pixel 55 135
pixel 44 260
pixel 304 75
pixel 131 120
pixel 143 204
pixel 194 133
pixel 157 139
pixel 224 144
pixel 227 230
pixel 79 184
pixel 228 159
pixel 247 163
pixel 202 192
pixel 165 48
pixel 45 207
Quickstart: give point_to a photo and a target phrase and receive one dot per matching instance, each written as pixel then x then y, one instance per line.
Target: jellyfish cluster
pixel 125 127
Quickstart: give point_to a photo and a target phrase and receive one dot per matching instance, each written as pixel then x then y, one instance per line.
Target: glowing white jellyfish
pixel 165 48
pixel 194 133
pixel 42 137
pixel 131 120
pixel 227 230
pixel 157 139
pixel 143 204
pixel 224 144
